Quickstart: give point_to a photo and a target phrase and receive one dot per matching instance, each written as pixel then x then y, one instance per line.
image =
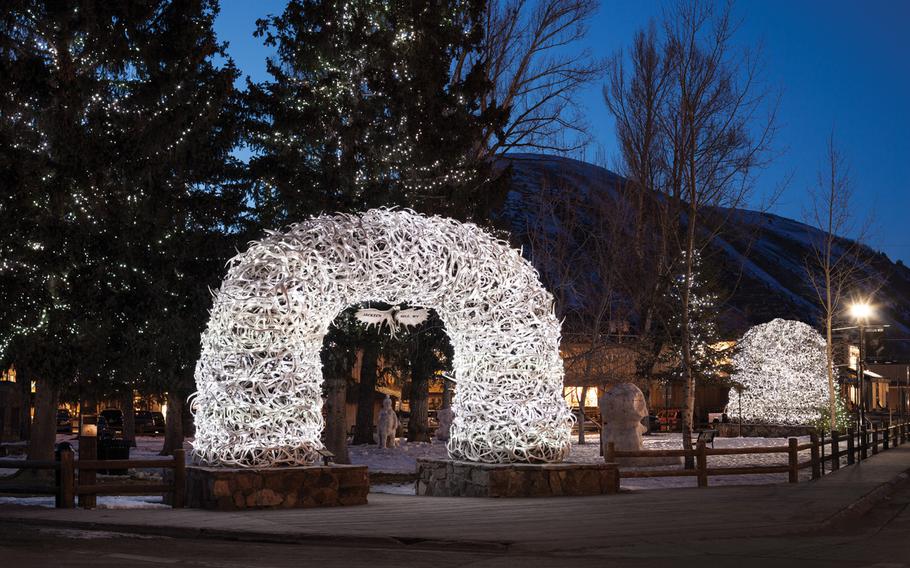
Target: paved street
pixel 823 523
pixel 882 542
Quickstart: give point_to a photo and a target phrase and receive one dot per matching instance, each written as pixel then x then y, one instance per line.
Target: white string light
pixel 259 376
pixel 782 365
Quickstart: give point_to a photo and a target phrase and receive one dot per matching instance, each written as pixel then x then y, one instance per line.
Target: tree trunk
pixel 832 394
pixel 581 415
pixel 89 405
pixel 173 427
pixel 419 422
pixel 336 435
pixel 25 422
pixel 364 428
pixel 129 417
pixel 44 426
pixel 689 416
pixel 448 393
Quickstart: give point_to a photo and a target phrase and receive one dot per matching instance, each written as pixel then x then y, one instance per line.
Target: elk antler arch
pixel 259 375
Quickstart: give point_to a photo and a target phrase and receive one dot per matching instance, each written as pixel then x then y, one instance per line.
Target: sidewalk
pixel 664 516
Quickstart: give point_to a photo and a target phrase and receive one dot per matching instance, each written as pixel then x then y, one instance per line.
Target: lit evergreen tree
pixel 712 356
pixel 115 128
pixel 365 109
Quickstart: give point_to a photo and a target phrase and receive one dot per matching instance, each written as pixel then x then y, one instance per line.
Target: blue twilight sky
pixel 839 64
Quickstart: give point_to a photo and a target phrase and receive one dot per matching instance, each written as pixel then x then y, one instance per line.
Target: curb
pixel 273 538
pixel 865 503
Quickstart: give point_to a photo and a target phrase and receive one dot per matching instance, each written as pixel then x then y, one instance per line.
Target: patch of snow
pixel 404 460
pixel 93 535
pixel 104 501
pixel 11 471
pixel 393 488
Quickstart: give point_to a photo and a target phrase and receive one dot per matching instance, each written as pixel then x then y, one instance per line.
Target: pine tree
pixel 365 109
pixel 712 355
pixel 115 133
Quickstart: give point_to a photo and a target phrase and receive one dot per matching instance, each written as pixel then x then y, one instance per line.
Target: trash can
pixel 113 449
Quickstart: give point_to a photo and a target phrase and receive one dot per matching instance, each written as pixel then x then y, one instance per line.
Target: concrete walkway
pixel 629 519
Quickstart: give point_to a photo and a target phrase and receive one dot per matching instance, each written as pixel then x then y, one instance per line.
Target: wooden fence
pixel 68 485
pixel 859 445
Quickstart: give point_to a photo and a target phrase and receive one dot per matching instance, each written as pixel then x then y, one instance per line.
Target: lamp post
pixel 861 312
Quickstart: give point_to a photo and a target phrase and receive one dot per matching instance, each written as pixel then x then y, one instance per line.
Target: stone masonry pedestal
pixel 447 478
pixel 228 489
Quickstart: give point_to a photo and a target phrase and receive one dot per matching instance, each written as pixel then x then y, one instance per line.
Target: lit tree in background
pixel 366 107
pixel 782 366
pixel 711 361
pixel 115 126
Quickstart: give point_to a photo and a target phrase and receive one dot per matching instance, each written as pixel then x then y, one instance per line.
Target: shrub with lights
pixel 259 374
pixel 781 367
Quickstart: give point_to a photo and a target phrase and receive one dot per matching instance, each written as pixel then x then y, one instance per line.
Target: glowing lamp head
pixel 860 310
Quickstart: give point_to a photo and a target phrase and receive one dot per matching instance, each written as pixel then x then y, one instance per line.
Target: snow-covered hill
pixel 764 253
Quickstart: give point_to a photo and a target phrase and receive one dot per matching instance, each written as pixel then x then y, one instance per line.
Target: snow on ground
pixel 104 501
pixel 404 460
pixel 95 535
pixel 147 447
pixel 7 471
pixel 392 488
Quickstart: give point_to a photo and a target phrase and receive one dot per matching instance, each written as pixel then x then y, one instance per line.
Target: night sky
pixel 842 65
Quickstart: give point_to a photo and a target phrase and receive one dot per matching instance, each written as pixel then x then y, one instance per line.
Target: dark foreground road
pixel 879 539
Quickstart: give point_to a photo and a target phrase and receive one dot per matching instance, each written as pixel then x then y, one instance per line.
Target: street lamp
pixel 861 311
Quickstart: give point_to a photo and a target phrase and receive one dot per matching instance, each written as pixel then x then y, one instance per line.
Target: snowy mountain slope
pixel 764 255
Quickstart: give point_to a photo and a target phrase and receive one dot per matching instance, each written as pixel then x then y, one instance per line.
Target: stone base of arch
pixel 450 478
pixel 231 489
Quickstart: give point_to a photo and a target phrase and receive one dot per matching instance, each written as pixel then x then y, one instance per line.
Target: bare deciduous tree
pixel 835 265
pixel 692 130
pixel 533 78
pixel 712 121
pixel 636 95
pixel 577 238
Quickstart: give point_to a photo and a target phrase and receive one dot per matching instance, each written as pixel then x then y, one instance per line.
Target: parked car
pixel 64 421
pixel 148 422
pixel 110 422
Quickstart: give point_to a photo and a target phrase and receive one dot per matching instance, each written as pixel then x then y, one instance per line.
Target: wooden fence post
pixel 88 450
pixel 822 445
pixel 863 442
pixel 816 463
pixel 179 497
pixel 66 490
pixel 701 463
pixel 886 435
pixel 874 440
pixel 793 453
pixel 835 450
pixel 851 454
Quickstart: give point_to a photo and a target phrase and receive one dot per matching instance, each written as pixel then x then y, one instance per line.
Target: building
pixel 590 371
pixel 14 407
